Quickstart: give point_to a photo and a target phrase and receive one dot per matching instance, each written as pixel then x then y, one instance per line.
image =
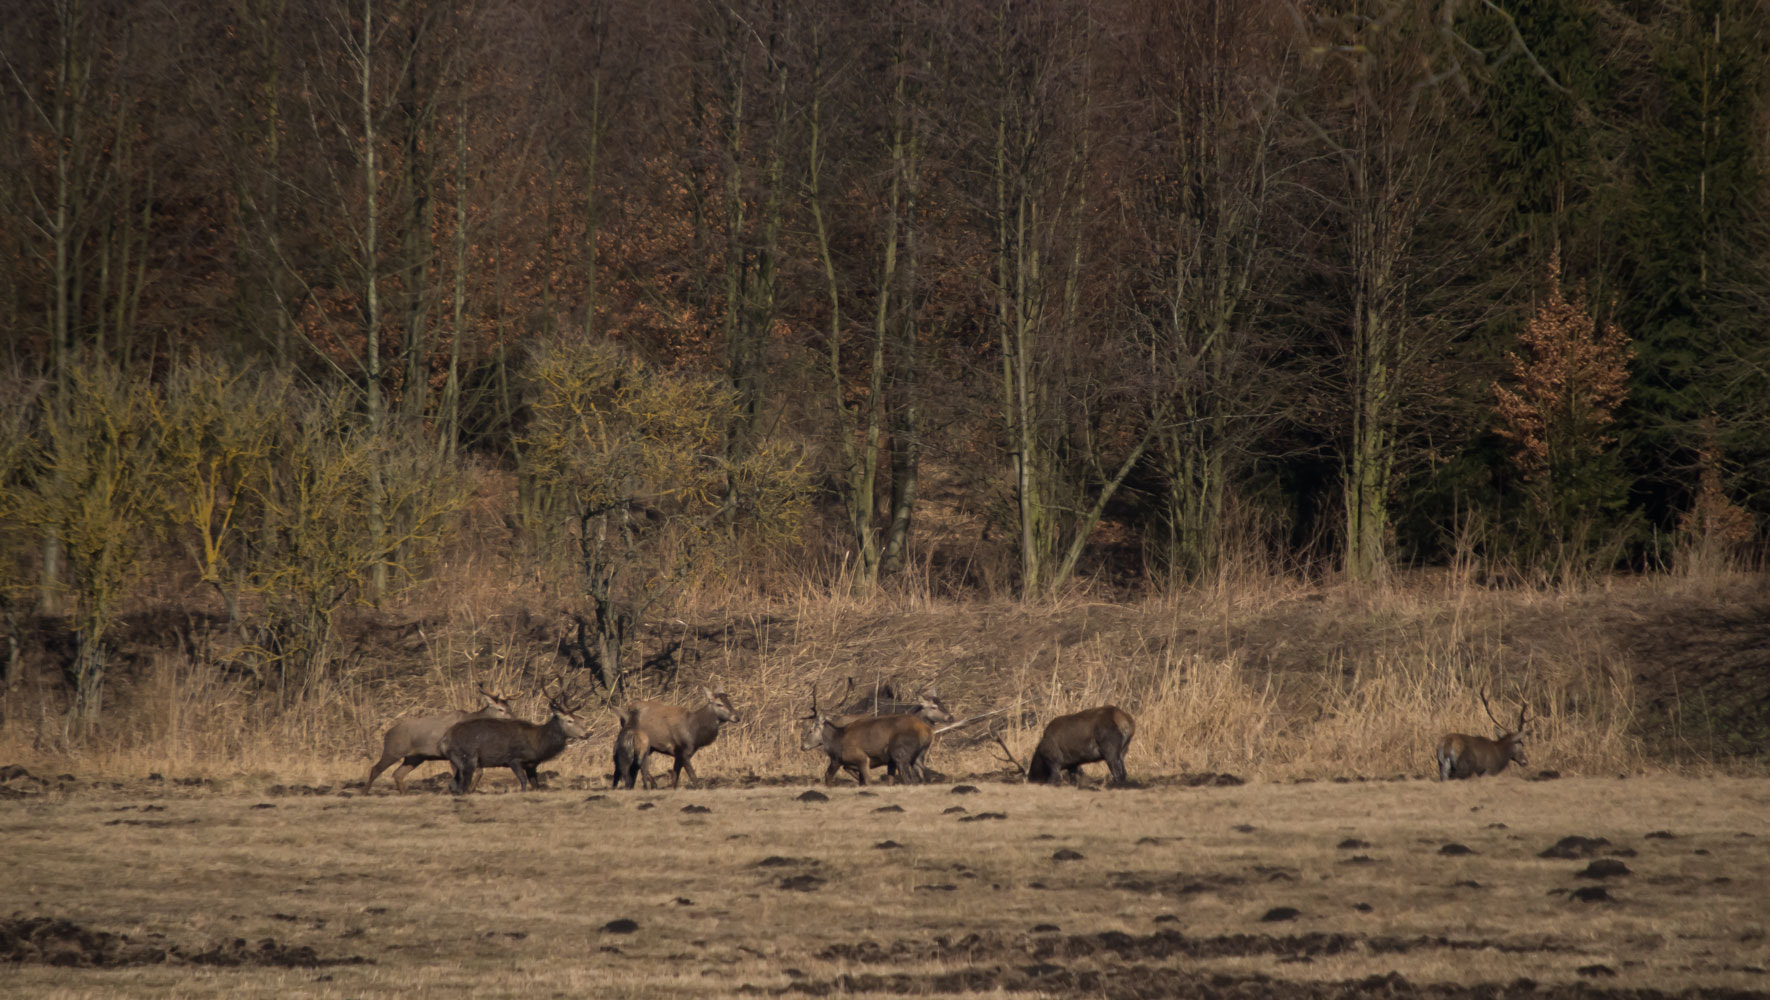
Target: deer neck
pixel 703 725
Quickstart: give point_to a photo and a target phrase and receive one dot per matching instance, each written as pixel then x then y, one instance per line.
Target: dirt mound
pixel 55 941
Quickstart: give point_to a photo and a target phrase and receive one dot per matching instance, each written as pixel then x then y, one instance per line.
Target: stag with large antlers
pixel 1462 756
pixel 521 746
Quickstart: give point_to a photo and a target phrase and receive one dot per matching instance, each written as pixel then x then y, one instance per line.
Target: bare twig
pixel 1009 758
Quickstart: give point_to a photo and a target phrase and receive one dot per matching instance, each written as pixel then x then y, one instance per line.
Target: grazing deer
pixel 521 746
pixel 1069 741
pixel 631 746
pixel 416 739
pixel 1461 756
pixel 856 743
pixel 674 731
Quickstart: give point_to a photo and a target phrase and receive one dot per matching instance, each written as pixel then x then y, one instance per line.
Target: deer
pixel 1086 737
pixel 857 743
pixel 1461 756
pixel 631 747
pixel 671 730
pixel 521 746
pixel 415 738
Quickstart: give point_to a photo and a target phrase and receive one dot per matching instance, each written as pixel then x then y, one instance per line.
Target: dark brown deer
pixel 415 739
pixel 857 743
pixel 521 746
pixel 1461 756
pixel 675 732
pixel 1069 741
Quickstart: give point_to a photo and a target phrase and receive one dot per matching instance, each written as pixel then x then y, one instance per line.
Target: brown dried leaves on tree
pixel 1565 386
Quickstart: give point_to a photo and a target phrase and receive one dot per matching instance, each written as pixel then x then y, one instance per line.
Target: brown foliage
pixel 1567 385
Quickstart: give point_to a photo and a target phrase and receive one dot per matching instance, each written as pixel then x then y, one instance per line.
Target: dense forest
pixel 292 291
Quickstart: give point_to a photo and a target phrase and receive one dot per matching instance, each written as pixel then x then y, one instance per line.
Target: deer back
pixel 1082 736
pixel 422 734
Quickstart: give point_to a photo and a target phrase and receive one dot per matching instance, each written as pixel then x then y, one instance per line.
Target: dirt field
pixel 1391 889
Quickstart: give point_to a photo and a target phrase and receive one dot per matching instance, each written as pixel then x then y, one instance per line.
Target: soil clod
pixel 1604 868
pixel 1572 847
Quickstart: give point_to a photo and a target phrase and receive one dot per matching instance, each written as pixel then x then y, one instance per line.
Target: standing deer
pixel 856 743
pixel 416 739
pixel 671 730
pixel 1461 756
pixel 631 747
pixel 1069 741
pixel 521 746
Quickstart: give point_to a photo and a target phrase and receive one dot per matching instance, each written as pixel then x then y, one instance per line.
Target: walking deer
pixel 415 739
pixel 1069 741
pixel 655 727
pixel 1461 756
pixel 521 746
pixel 857 743
pixel 631 747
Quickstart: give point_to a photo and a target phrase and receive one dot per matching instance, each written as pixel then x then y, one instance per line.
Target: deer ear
pixel 708 692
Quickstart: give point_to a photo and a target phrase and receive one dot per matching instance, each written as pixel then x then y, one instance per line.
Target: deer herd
pixel 878 731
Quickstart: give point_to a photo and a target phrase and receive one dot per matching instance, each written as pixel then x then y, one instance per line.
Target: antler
pixel 1489 710
pixel 815 714
pixel 966 722
pixel 1522 708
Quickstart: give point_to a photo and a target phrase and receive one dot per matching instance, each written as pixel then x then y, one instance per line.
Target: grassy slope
pixel 1277 681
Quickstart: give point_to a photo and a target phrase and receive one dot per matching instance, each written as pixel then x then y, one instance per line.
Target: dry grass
pixel 1276 682
pixel 509 895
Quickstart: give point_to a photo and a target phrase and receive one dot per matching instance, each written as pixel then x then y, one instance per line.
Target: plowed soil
pixel 158 888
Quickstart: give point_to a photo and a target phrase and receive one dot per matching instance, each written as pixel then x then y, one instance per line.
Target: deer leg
pixel 400 772
pixel 1115 760
pixel 693 779
pixel 375 772
pixel 830 772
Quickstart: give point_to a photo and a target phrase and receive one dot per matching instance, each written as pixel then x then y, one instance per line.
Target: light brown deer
pixel 631 747
pixel 673 731
pixel 521 746
pixel 415 739
pixel 1461 756
pixel 857 743
pixel 1069 741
